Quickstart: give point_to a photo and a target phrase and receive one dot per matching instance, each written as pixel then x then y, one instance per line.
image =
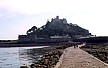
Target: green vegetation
pixel 58 27
pixel 99 51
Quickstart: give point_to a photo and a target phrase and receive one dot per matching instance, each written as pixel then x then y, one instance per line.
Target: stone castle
pixel 52 39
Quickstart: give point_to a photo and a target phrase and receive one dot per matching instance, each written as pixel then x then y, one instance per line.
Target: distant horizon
pixel 17 16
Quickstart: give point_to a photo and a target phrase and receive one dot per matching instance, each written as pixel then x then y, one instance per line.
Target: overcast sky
pixel 17 16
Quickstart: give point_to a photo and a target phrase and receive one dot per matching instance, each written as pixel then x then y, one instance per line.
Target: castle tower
pixel 57 17
pixel 64 21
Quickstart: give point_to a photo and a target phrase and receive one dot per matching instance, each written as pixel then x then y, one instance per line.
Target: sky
pixel 17 16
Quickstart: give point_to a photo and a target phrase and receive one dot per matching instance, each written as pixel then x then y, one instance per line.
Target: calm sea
pixel 15 57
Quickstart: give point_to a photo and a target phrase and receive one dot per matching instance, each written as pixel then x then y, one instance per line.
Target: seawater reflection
pixel 15 57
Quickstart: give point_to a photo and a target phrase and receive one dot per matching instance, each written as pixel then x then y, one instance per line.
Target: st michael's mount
pixel 54 31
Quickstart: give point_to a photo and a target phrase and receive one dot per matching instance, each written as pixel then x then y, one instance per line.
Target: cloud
pixel 57 6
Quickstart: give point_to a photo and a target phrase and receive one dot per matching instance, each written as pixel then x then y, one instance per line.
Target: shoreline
pixel 26 45
pixel 60 60
pixel 50 59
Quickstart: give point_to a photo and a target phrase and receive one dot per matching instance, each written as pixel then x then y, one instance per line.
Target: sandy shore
pixel 77 58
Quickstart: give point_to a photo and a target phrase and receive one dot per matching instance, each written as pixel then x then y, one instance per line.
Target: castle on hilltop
pixel 54 31
pixel 29 38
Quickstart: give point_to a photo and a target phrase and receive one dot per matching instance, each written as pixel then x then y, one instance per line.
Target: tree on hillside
pixel 33 29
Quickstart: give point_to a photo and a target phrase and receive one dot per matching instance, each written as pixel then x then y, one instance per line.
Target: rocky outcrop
pixel 48 61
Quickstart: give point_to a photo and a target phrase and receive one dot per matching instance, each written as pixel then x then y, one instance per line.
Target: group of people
pixel 75 45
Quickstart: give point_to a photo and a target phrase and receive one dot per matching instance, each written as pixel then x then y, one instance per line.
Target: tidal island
pixel 54 31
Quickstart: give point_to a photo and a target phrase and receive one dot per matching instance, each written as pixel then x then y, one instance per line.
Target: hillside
pixel 58 27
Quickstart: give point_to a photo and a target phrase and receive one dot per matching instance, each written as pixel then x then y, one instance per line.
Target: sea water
pixel 14 57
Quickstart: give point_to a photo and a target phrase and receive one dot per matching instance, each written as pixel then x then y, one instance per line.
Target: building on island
pixel 27 38
pixel 55 31
pixel 34 39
